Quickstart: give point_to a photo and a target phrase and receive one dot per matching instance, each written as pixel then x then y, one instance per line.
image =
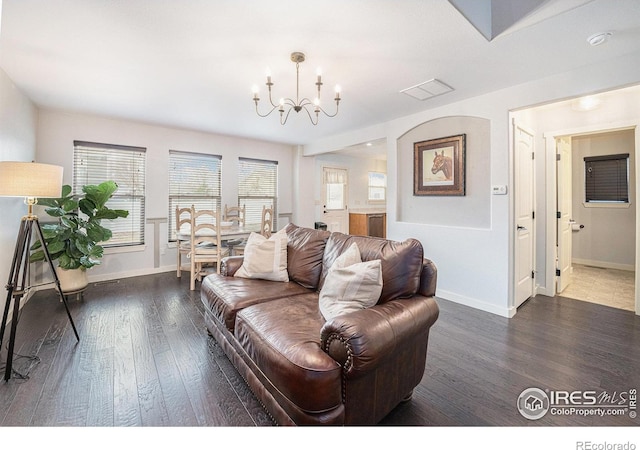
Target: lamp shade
pixel 30 179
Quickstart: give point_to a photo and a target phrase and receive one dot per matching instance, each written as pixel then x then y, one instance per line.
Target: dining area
pixel 205 236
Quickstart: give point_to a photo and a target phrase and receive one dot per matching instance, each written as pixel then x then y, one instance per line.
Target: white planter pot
pixel 73 280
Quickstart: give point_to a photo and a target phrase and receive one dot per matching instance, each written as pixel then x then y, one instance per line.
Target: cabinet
pixel 368 224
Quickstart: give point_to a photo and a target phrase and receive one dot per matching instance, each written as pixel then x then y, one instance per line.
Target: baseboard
pixel 132 273
pixel 114 276
pixel 475 303
pixel 542 290
pixel 603 264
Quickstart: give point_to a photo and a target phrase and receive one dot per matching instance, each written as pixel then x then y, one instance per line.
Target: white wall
pixel 475 264
pixel 471 210
pixel 57 131
pixel 18 118
pixel 608 230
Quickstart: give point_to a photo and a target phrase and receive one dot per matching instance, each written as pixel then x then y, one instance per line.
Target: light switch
pixel 500 189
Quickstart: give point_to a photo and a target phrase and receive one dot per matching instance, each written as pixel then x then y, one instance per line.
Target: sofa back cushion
pixel 305 249
pixel 350 285
pixel 401 262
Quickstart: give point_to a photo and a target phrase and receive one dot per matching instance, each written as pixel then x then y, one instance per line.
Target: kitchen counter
pixel 368 222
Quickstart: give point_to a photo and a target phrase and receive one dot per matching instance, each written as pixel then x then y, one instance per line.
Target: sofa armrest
pixel 361 340
pixel 230 264
pixel 428 279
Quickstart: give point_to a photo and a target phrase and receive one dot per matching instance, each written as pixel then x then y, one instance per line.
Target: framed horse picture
pixel 438 166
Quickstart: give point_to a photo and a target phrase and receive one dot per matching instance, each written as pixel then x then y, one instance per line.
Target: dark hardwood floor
pixel 145 359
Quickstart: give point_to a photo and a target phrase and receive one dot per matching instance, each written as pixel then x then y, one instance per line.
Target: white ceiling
pixel 192 63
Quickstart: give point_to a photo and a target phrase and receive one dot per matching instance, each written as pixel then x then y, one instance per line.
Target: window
pixel 607 178
pixel 94 163
pixel 257 187
pixel 194 179
pixel 377 187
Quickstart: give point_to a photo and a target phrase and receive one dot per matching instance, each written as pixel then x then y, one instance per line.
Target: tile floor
pixel 609 287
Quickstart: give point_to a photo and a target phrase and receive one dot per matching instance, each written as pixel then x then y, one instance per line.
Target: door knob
pixel 521 228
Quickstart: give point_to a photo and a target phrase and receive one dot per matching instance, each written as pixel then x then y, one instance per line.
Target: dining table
pixel 227 234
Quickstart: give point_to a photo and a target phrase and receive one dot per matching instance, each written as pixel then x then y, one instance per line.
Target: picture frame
pixel 439 166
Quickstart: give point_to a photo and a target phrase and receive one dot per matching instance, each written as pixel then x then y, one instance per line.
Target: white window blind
pixel 94 163
pixel 257 187
pixel 607 178
pixel 194 179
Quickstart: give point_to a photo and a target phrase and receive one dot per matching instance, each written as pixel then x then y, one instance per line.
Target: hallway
pixel 609 287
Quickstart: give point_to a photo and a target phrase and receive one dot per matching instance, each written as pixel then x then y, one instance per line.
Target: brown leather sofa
pixel 351 370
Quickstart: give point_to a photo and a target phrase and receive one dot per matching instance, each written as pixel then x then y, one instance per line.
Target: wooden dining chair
pixel 235 214
pixel 266 226
pixel 206 243
pixel 183 243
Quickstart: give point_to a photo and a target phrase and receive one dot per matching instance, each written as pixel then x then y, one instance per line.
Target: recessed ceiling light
pixel 587 103
pixel 599 38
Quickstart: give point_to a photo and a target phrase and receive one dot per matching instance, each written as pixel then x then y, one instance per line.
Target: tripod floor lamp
pixel 29 180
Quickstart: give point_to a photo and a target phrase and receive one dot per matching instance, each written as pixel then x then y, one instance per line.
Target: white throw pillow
pixel 349 257
pixel 264 258
pixel 350 284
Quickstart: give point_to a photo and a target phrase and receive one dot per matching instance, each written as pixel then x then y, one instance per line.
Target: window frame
pixel 186 199
pixel 603 195
pixel 375 186
pixel 89 154
pixel 253 216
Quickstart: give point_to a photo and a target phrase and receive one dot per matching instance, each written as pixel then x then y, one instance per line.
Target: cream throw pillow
pixel 350 284
pixel 264 258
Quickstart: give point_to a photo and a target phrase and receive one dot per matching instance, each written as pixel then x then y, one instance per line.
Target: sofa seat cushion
pixel 282 337
pixel 225 296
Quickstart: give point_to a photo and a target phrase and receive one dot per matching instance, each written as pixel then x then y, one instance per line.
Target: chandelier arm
pixel 289 102
pixel 267 114
pixel 327 114
pixel 275 105
pixel 311 117
pixel 286 116
pixel 305 101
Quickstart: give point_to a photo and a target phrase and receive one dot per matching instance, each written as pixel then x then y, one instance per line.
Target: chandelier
pixel 286 105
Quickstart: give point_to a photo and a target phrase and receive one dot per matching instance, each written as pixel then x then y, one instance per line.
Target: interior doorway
pixel 595 182
pixel 616 110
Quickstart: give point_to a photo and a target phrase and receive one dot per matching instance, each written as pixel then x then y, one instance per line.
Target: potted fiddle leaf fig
pixel 73 240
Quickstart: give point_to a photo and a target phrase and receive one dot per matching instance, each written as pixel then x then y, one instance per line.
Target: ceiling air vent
pixel 427 89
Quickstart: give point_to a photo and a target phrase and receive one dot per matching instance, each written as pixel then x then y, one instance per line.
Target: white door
pixel 334 192
pixel 564 222
pixel 524 214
